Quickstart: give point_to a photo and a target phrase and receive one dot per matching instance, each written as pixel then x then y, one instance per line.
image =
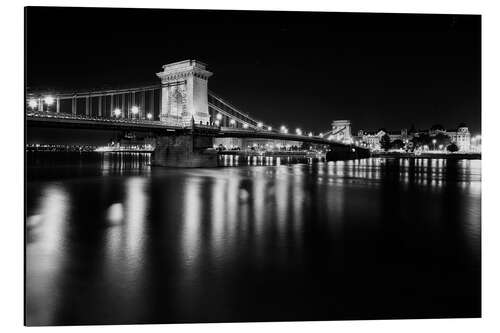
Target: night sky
pixel 294 68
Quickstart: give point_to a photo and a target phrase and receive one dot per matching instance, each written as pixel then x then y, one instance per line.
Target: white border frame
pixel 11 241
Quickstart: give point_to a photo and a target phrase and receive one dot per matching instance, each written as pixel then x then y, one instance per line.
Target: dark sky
pixel 293 68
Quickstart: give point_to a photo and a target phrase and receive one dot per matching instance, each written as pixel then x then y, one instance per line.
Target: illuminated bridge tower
pixel 341 131
pixel 184 93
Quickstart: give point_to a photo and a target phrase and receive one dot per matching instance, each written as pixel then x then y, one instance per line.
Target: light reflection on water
pixel 328 240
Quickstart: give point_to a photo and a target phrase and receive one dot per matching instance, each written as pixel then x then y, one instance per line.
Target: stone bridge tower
pixel 341 130
pixel 184 94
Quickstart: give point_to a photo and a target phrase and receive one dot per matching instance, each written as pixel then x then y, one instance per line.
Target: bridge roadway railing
pixel 83 120
pixel 55 115
pixel 44 118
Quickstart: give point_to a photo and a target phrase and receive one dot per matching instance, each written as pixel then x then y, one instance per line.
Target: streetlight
pixel 149 116
pixel 218 116
pixel 134 109
pixel 32 103
pixel 269 128
pixel 245 126
pixel 232 122
pixel 434 143
pixel 49 100
pixel 284 129
pixel 117 112
pixel 259 124
pixel 320 135
pixel 298 131
pixel 310 134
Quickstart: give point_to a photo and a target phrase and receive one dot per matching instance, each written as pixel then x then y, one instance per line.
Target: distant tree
pixel 421 140
pixel 305 146
pixel 385 142
pixel 397 144
pixel 442 139
pixel 452 148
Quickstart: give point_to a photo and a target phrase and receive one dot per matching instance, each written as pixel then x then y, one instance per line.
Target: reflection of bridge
pixel 183 116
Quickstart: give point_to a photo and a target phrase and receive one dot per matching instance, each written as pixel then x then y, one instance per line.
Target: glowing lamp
pixel 49 100
pixel 33 103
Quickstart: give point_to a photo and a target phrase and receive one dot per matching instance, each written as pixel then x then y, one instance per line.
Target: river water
pixel 112 240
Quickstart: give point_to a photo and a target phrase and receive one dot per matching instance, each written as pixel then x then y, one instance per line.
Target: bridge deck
pixel 51 119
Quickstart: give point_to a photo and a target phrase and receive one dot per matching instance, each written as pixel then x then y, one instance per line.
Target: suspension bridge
pixel 183 116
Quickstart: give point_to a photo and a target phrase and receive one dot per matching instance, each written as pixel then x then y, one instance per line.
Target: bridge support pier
pixel 185 151
pixel 347 153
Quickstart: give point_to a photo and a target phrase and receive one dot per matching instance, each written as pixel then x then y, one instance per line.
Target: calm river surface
pixel 112 240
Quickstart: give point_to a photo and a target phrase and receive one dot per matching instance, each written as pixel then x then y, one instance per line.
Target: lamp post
pixel 49 100
pixel 149 116
pixel 434 143
pixel 32 103
pixel 117 112
pixel 135 110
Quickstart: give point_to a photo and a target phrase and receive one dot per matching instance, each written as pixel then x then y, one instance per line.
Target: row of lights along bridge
pixel 49 100
pixel 260 125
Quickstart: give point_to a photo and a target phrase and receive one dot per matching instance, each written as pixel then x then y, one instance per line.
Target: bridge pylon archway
pixel 184 93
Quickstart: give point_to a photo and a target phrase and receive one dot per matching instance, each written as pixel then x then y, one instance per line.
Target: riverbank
pixel 278 153
pixel 460 156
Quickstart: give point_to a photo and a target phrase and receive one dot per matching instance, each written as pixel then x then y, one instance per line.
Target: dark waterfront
pixel 111 240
